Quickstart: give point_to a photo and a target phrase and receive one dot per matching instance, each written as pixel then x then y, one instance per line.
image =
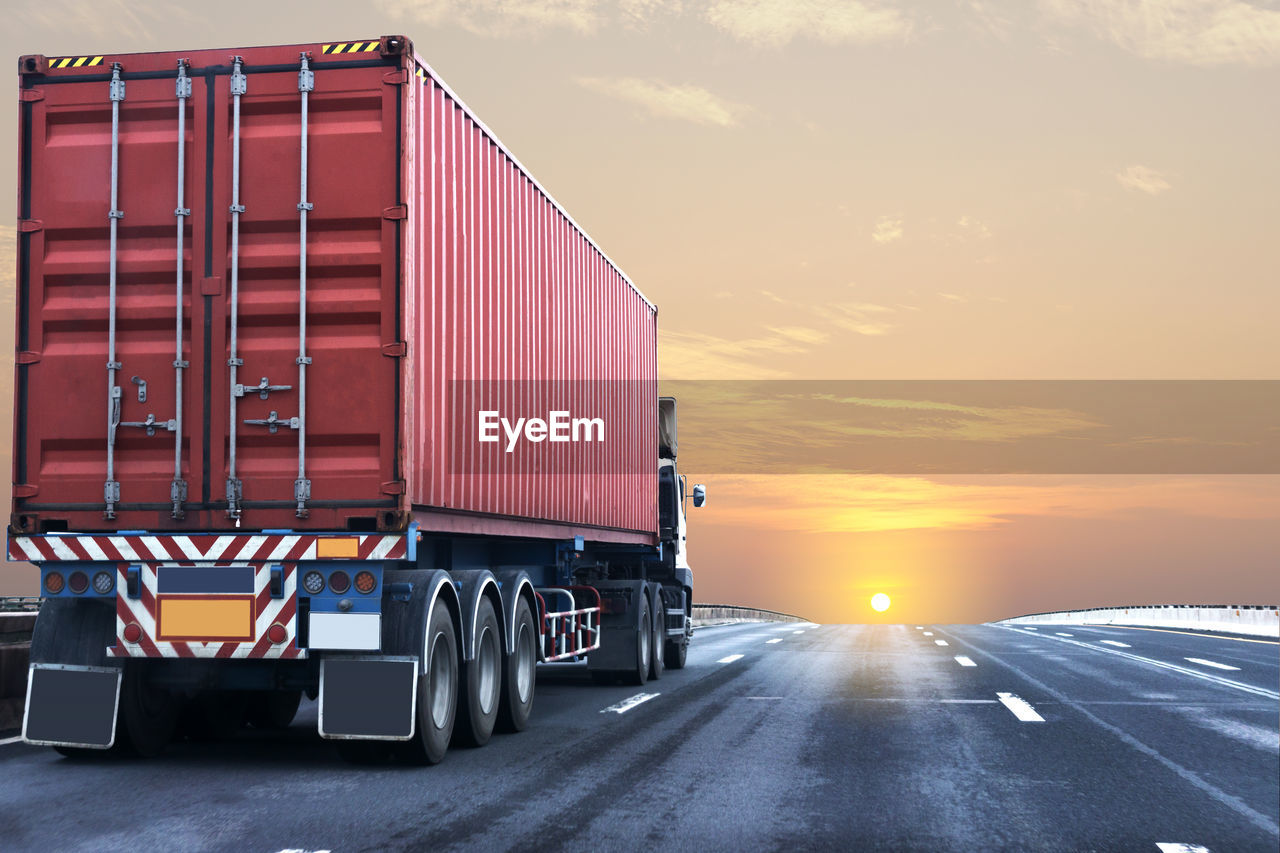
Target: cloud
pixel 639 13
pixel 664 100
pixel 1143 179
pixel 498 18
pixel 774 23
pixel 863 504
pixel 694 355
pixel 973 228
pixel 887 230
pixel 1195 32
pixel 862 318
pixel 103 18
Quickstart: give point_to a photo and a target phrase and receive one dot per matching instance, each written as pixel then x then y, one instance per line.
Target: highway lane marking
pixel 801 631
pixel 10 740
pixel 730 659
pixel 928 633
pixel 1061 634
pixel 967 701
pixel 1195 673
pixel 1031 629
pixel 965 661
pixel 627 704
pixel 1189 633
pixel 763 698
pixel 774 640
pixel 1179 847
pixel 1116 643
pixel 1239 806
pixel 1020 708
pixel 1213 664
pixel 301 850
pixel 940 642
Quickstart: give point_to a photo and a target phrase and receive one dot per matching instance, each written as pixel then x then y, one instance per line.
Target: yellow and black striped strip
pixel 74 61
pixel 350 47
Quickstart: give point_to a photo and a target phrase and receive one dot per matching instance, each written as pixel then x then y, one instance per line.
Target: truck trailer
pixel 380 422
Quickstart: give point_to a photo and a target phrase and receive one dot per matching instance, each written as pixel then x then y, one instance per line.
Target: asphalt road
pixel 774 737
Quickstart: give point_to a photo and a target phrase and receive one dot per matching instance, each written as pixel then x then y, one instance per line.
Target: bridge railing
pixel 1249 619
pixel 718 614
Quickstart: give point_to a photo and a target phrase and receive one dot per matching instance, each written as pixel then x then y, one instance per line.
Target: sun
pixel 880 602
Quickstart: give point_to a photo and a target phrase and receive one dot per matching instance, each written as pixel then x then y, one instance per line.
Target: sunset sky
pixel 813 189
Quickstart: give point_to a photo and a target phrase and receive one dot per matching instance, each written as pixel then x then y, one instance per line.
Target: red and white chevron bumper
pixel 142 632
pixel 211 548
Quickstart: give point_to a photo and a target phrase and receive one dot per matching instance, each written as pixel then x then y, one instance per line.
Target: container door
pixel 207 322
pixel 307 356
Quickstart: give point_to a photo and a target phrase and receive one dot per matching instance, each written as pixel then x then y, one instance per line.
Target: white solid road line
pixel 1213 664
pixel 1031 629
pixel 1061 634
pixel 1196 673
pixel 965 661
pixel 730 659
pixel 301 850
pixel 1179 847
pixel 627 704
pixel 774 640
pixel 10 740
pixel 940 642
pixel 928 633
pixel 1116 643
pixel 1020 708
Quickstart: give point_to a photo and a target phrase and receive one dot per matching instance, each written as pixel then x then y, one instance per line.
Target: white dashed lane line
pixel 774 640
pixel 1063 634
pixel 1213 664
pixel 965 661
pixel 928 633
pixel 630 702
pixel 1020 708
pixel 730 659
pixel 1179 847
pixel 940 642
pixel 1116 643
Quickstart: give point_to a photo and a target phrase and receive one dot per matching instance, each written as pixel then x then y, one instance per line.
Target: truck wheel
pixel 481 684
pixel 676 653
pixel 273 710
pixel 656 640
pixel 148 715
pixel 437 693
pixel 644 645
pixel 518 673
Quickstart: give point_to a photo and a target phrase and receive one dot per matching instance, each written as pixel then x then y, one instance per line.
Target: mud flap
pixel 368 698
pixel 71 705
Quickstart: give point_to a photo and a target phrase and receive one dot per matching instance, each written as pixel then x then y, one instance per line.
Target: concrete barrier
pixel 1249 619
pixel 721 614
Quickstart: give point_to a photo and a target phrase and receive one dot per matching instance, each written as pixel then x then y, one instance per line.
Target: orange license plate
pixel 205 618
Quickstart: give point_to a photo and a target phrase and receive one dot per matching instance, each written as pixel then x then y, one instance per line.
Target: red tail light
pixel 53 583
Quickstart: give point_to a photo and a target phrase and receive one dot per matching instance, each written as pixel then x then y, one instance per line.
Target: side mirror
pixel 699 494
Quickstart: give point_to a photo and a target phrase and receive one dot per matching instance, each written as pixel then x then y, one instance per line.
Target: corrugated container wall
pixel 440 279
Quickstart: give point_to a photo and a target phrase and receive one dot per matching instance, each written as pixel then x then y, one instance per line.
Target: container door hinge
pixel 397 349
pixel 395 487
pixel 398 211
pixel 28 226
pixel 25 490
pixel 28 357
pixel 32 95
pixel 396 78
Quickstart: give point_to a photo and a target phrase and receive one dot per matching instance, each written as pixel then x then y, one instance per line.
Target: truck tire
pixel 644 645
pixel 676 653
pixel 481 683
pixel 148 715
pixel 519 672
pixel 656 638
pixel 273 710
pixel 437 693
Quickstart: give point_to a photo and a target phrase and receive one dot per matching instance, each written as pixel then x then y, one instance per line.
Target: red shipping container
pixel 441 280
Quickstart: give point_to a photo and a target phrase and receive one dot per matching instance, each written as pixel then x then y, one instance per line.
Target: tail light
pixel 132 632
pixel 339 582
pixel 103 583
pixel 365 582
pixel 313 582
pixel 53 583
pixel 277 633
pixel 78 582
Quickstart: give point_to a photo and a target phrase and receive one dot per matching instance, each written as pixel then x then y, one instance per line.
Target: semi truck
pixel 380 422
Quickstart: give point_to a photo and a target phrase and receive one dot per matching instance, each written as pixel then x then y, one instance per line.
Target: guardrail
pixel 717 614
pixel 1256 620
